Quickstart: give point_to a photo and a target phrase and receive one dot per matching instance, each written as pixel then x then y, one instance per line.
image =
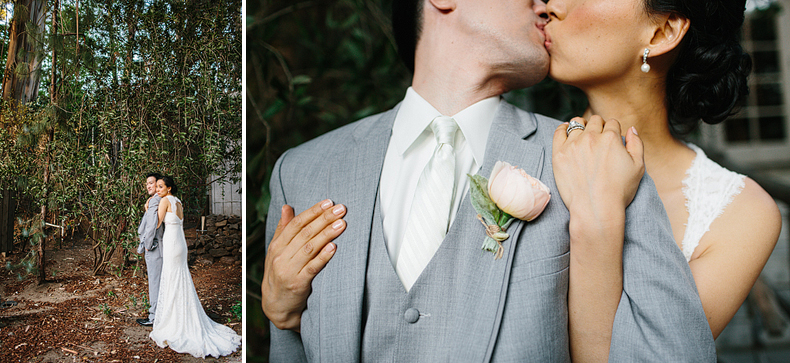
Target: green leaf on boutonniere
pixel 480 200
pixel 490 245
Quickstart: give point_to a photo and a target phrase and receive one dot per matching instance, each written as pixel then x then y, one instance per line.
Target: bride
pixel 181 322
pixel 653 67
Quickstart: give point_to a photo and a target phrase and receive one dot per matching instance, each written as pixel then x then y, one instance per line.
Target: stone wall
pixel 219 243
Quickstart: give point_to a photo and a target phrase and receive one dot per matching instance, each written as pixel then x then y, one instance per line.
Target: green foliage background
pixel 313 66
pixel 139 86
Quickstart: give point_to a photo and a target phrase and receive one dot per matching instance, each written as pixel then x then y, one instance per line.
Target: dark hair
pixel 406 28
pixel 156 175
pixel 709 76
pixel 169 183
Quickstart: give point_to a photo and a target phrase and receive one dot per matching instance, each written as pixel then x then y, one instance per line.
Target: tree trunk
pixel 53 99
pixel 40 260
pixel 23 67
pixel 53 90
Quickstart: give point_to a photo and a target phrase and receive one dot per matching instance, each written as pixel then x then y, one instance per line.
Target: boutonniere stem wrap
pixel 509 194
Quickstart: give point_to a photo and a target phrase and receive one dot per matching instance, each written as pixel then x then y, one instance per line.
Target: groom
pixel 150 237
pixel 373 302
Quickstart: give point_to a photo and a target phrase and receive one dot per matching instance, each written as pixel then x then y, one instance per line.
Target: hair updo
pixel 709 76
pixel 168 180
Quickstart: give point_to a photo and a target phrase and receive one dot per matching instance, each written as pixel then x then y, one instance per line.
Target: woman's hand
pixel 300 249
pixel 597 178
pixel 593 169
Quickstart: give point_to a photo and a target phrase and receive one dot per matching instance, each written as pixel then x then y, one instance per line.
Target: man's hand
pixel 300 249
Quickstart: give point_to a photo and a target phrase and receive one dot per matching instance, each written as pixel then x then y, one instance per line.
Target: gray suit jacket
pixel 516 307
pixel 150 236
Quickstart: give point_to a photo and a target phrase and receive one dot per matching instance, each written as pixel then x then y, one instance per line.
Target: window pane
pixel 772 128
pixel 763 28
pixel 769 94
pixel 765 62
pixel 737 129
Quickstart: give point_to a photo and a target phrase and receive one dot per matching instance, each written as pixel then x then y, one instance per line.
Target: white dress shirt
pixel 411 145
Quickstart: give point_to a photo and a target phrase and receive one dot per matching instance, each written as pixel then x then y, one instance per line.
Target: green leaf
pixel 301 79
pixel 490 245
pixel 275 108
pixel 478 186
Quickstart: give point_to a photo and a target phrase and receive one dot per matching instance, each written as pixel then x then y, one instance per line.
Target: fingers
pixel 315 236
pixel 574 132
pixel 561 133
pixel 298 223
pixel 613 126
pixel 559 137
pixel 286 214
pixel 634 145
pixel 317 264
pixel 595 124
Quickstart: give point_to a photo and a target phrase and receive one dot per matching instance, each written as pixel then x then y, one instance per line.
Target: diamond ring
pixel 574 125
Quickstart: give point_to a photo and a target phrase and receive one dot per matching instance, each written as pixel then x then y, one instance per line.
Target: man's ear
pixel 668 34
pixel 444 6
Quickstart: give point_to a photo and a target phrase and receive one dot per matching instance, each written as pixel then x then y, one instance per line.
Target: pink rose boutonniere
pixel 510 193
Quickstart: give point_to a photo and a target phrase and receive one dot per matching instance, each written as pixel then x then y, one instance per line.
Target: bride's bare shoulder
pixel 752 221
pixel 759 207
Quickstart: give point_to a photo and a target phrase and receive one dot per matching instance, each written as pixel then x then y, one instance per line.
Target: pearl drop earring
pixel 645 67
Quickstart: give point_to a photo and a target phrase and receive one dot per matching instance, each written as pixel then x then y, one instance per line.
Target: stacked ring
pixel 574 125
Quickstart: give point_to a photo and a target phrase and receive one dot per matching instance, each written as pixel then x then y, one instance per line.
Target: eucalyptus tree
pixel 25 51
pixel 133 86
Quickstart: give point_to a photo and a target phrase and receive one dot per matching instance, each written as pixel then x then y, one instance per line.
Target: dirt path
pixel 79 317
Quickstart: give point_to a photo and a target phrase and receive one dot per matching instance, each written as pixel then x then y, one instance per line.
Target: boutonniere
pixel 510 193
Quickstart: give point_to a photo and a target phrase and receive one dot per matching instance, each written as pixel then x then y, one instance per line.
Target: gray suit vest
pixel 402 326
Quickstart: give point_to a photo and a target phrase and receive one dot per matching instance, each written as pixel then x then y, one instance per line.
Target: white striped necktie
pixel 430 210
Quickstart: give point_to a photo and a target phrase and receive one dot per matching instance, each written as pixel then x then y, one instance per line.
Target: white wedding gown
pixel 709 188
pixel 180 320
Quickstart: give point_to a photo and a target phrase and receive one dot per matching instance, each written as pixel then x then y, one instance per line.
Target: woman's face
pixel 161 188
pixel 592 42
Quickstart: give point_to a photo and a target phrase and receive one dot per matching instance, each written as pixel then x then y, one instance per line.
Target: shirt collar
pixel 415 115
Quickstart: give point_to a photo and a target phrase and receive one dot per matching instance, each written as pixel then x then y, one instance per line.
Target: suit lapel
pixel 509 140
pixel 353 182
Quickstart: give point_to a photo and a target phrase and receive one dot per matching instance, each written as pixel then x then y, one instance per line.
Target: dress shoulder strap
pixel 173 200
pixel 708 188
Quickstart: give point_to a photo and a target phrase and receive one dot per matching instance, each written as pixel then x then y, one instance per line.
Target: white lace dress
pixel 708 188
pixel 180 320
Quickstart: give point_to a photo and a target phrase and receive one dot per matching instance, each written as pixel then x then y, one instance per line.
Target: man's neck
pixel 454 86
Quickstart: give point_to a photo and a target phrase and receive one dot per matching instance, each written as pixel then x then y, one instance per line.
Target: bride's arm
pixel 732 253
pixel 164 205
pixel 597 178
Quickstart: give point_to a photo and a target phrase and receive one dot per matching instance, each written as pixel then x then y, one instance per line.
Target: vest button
pixel 412 315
